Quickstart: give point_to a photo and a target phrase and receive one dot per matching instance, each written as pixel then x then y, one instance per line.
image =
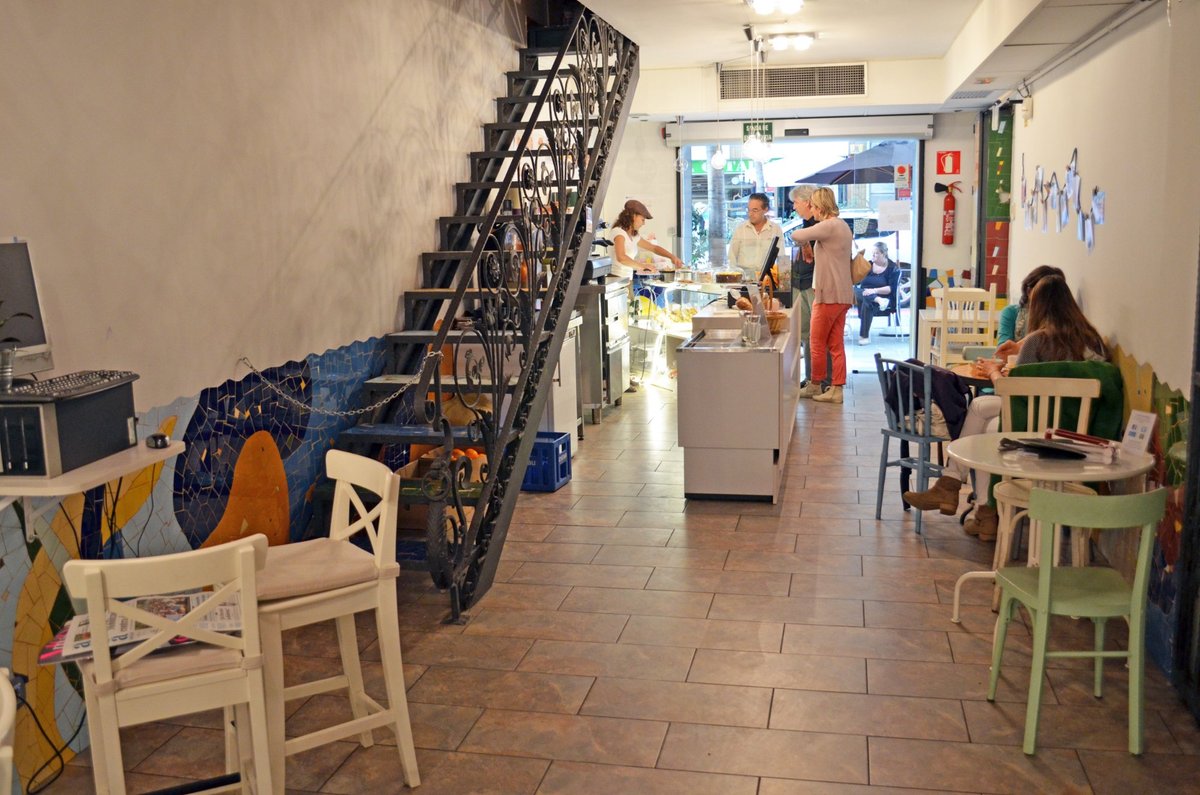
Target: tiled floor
pixel 636 642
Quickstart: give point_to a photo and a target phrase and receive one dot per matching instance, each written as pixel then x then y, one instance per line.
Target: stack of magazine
pixel 74 640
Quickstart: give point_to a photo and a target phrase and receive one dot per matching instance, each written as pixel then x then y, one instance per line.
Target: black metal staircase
pixel 491 316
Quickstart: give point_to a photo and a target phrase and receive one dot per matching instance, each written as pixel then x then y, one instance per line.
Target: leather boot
pixel 943 496
pixel 984 522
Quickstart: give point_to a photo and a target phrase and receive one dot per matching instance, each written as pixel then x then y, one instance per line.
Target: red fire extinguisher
pixel 948 212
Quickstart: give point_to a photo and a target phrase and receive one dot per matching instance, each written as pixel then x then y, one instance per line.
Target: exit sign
pixel 765 130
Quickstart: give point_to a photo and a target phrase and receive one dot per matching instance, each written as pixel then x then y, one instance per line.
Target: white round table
pixel 982 452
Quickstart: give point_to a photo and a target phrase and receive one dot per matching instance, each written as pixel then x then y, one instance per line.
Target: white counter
pixel 737 407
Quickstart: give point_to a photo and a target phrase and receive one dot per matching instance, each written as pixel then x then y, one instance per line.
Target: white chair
pixel 1044 399
pixel 964 316
pixel 8 721
pixel 332 579
pixel 218 670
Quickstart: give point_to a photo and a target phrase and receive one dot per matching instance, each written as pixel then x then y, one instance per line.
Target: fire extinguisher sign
pixel 948 162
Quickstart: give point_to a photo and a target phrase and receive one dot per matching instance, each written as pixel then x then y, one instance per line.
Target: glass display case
pixel 660 320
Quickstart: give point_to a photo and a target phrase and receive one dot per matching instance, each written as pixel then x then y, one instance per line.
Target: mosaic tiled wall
pixel 1145 392
pixel 253 456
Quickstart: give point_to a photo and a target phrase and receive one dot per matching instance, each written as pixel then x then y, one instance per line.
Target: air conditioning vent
pixel 961 95
pixel 837 80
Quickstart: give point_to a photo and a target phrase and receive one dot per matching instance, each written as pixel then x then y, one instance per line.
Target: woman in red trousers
pixel 834 294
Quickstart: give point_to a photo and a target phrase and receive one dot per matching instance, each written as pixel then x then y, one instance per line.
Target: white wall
pixel 954 132
pixel 200 181
pixel 644 169
pixel 1132 109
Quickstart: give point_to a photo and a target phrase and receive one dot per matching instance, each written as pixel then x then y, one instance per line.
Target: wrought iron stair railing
pixel 490 320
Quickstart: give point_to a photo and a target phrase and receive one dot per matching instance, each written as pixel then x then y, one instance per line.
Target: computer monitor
pixel 765 271
pixel 21 311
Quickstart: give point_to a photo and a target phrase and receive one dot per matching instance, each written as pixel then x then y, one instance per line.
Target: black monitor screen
pixel 19 295
pixel 772 256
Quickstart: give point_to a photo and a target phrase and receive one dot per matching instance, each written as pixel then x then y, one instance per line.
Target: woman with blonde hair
pixel 833 293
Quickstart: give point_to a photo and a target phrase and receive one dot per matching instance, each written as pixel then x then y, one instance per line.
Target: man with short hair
pixel 752 239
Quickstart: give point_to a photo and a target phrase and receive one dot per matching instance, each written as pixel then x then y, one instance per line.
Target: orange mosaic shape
pixel 258 496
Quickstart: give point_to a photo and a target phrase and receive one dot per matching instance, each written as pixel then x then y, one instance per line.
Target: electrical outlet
pixel 18 684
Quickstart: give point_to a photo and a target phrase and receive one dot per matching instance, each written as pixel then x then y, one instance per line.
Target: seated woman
pixel 1058 332
pixel 875 286
pixel 628 242
pixel 1014 318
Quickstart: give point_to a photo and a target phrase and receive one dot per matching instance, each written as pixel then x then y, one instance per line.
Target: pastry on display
pixel 729 277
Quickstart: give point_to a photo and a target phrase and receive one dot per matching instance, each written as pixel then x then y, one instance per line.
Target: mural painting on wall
pixel 1144 392
pixel 253 457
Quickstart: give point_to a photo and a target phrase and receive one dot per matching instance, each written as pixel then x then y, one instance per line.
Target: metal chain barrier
pixel 334 412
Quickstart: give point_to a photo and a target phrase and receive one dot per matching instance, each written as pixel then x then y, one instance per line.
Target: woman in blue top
pixel 1014 318
pixel 875 285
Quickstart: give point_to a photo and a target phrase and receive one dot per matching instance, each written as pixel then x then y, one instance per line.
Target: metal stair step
pixel 396 380
pixel 385 433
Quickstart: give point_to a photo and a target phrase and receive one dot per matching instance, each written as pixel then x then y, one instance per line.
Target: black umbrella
pixel 871 166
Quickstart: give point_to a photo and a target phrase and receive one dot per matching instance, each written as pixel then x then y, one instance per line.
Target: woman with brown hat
pixel 628 242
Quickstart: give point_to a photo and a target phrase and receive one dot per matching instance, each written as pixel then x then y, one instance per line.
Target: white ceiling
pixel 696 33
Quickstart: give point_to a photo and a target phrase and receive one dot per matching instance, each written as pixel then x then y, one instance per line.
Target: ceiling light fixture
pixel 765 7
pixel 793 41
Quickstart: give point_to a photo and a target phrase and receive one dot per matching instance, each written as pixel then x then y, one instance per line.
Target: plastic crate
pixel 549 463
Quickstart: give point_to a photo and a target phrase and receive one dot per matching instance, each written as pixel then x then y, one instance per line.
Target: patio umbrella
pixel 872 166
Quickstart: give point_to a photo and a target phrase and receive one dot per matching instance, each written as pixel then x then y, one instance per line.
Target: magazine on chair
pixel 74 640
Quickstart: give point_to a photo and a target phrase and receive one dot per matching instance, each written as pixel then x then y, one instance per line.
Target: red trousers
pixel 828 324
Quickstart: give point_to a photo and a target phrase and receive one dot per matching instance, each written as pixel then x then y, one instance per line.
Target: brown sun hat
pixel 635 206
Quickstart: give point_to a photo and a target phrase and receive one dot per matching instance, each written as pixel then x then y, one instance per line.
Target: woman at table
pixel 1058 332
pixel 833 293
pixel 1014 318
pixel 875 285
pixel 628 242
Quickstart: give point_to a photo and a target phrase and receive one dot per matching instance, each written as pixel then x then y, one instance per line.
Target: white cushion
pixel 177 663
pixel 313 566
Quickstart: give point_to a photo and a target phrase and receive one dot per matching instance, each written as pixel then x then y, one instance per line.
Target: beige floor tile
pixel 770 669
pixel 477 687
pixel 702 633
pixel 634 536
pixel 546 624
pixel 689 702
pixel 793 563
pixel 976 768
pixel 608 576
pixel 439 726
pixel 555 516
pixel 875 588
pixel 1100 727
pixel 573 738
pixel 520 596
pixel 978 621
pixel 707 581
pixel 633 503
pixel 666 663
pixel 901 547
pixel 549 553
pixel 765 752
pixel 578 778
pixel 789 609
pixel 929 568
pixel 669 490
pixel 734 539
pixel 1118 773
pixel 1018 651
pixel 1074 686
pixel 518 531
pixel 798 525
pixel 666 557
pixel 890 644
pixel 672 521
pixel 876 716
pixel 377 770
pixel 468 651
pixel 947 680
pixel 779 786
pixel 189 753
pixel 1183 728
pixel 681 604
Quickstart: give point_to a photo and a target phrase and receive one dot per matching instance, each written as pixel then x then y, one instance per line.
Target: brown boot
pixel 984 522
pixel 943 496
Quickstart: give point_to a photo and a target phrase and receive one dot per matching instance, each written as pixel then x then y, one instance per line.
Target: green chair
pixel 1094 592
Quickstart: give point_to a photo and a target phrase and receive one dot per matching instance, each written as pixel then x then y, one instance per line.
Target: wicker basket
pixel 777 321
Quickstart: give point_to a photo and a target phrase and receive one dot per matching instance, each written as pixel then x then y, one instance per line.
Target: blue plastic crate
pixel 549 463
